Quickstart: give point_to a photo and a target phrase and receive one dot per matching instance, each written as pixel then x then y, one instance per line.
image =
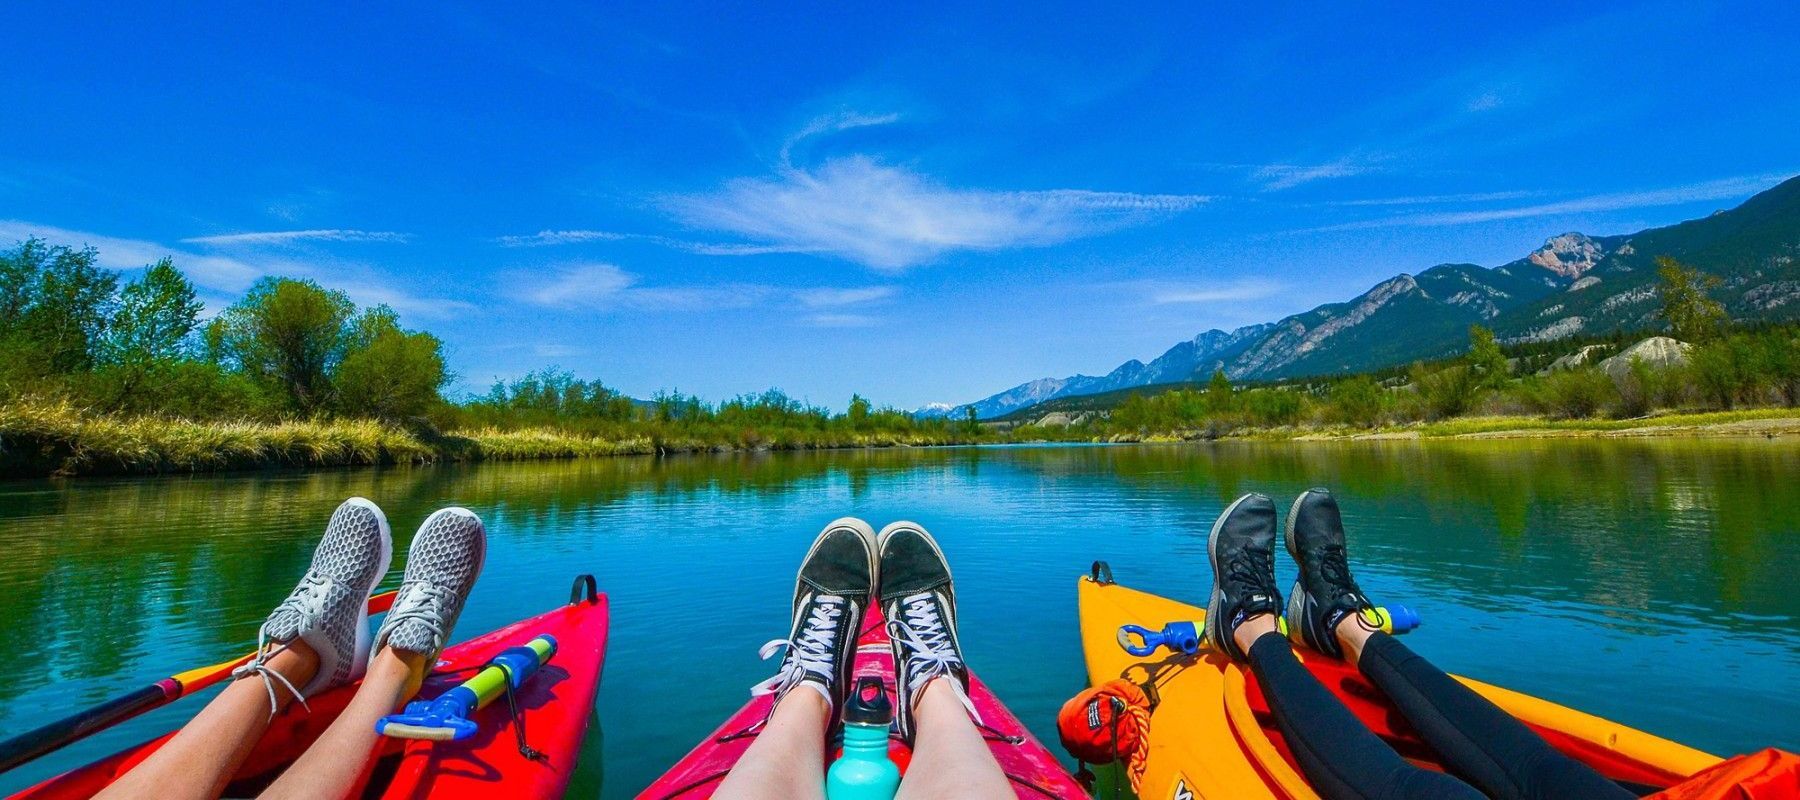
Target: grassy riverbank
pixel 1747 422
pixel 39 439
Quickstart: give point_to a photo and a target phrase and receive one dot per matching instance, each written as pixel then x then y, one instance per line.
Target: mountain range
pixel 1573 284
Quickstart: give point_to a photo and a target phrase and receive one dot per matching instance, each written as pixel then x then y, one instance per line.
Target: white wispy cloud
pixel 288 237
pixel 1722 189
pixel 834 298
pixel 832 123
pixel 1437 199
pixel 209 271
pixel 601 286
pixel 1160 292
pixel 1275 177
pixel 549 237
pixel 889 218
pixel 841 321
pixel 222 278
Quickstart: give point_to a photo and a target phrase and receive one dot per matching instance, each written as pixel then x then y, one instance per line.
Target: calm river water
pixel 1651 582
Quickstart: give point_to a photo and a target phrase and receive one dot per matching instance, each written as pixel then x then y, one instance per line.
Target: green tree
pixel 287 334
pixel 1219 395
pixel 1485 358
pixel 1356 401
pixel 1724 370
pixel 54 306
pixel 1691 314
pixel 1447 392
pixel 147 337
pixel 388 372
pixel 1781 363
pixel 859 412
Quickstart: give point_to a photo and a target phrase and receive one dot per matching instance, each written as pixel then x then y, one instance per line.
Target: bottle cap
pixel 868 703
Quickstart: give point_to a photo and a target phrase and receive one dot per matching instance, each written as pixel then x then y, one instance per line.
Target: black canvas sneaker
pixel 919 601
pixel 831 594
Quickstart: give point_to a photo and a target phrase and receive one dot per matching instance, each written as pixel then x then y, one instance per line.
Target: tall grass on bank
pixel 59 438
pixel 55 437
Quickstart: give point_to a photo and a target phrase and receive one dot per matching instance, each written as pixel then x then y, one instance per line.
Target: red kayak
pixel 555 705
pixel 1034 772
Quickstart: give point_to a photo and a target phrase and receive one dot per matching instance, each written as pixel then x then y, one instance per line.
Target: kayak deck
pixel 1033 770
pixel 556 704
pixel 1212 733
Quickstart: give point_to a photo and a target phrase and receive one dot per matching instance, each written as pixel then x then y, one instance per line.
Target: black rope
pixel 518 719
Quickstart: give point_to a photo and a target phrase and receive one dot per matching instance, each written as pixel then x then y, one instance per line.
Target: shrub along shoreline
pixel 45 440
pixel 39 439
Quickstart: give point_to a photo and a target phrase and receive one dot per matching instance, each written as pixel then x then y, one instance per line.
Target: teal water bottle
pixel 865 772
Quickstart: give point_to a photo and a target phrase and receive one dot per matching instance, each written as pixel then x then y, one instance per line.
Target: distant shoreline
pixel 47 445
pixel 1762 422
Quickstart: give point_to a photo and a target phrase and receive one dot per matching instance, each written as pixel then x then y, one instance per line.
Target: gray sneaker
pixel 441 567
pixel 329 609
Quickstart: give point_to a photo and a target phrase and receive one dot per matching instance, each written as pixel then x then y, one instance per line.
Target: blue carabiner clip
pixel 1180 637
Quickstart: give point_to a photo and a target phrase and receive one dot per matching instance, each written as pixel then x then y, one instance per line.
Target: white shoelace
pixel 921 628
pixel 307 601
pixel 423 603
pixel 258 667
pixel 810 652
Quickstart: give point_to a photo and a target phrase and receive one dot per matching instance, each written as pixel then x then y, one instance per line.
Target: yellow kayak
pixel 1211 734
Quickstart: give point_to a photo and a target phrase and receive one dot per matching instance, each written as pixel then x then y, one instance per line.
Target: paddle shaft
pixel 89 721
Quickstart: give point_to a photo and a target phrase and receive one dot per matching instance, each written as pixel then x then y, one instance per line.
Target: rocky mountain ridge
pixel 1572 284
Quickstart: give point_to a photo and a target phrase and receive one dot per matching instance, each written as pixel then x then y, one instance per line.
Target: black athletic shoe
pixel 1242 550
pixel 831 595
pixel 1325 592
pixel 919 602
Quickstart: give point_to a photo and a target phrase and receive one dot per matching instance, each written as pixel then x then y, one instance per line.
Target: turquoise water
pixel 1650 582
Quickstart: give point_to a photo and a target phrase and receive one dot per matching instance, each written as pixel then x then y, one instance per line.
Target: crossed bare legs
pixel 207 752
pixel 317 640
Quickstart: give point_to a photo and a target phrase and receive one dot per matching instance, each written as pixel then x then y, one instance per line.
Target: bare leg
pixel 787 760
pixel 339 760
pixel 1352 636
pixel 1253 627
pixel 203 756
pixel 950 759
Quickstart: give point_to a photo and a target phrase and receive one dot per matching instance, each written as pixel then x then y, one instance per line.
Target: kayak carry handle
pixel 448 716
pixel 1101 573
pixel 584 584
pixel 1181 637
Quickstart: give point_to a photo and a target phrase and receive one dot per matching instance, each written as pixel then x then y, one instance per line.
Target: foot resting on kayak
pixel 918 600
pixel 905 569
pixel 319 638
pixel 831 596
pixel 1486 747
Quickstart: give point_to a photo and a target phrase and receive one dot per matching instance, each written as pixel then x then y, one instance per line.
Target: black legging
pixel 1478 741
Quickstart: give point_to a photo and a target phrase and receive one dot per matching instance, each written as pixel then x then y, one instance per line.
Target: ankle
pixel 1251 629
pixel 938 700
pixel 806 700
pixel 297 662
pixel 1352 636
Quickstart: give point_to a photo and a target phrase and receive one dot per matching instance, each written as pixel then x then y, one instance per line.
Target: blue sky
pixel 920 206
